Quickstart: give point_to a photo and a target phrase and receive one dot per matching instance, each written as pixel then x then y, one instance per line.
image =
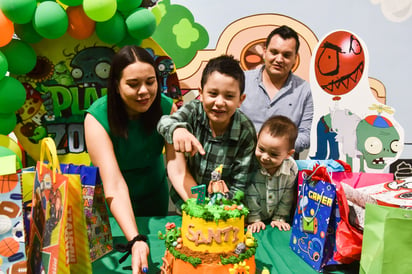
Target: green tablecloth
pixel 273 250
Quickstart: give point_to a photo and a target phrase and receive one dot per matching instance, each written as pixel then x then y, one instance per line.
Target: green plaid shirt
pixel 234 149
pixel 271 197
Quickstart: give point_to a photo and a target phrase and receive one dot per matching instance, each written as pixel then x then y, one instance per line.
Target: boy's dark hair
pixel 286 33
pixel 225 64
pixel 281 126
pixel 116 110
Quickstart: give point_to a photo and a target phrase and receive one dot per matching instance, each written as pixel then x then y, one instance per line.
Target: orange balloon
pixel 7 30
pixel 80 25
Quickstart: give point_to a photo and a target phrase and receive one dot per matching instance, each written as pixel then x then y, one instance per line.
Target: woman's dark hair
pixel 116 110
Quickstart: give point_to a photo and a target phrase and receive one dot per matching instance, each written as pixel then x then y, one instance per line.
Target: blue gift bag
pixel 315 222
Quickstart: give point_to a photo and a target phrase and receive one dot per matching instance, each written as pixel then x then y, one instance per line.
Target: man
pixel 274 90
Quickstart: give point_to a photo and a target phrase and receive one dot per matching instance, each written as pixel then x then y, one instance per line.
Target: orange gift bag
pixel 58 233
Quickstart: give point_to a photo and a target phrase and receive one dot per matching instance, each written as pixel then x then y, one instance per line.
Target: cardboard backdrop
pixel 69 76
pixel 349 123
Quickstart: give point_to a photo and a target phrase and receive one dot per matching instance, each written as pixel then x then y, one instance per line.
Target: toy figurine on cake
pixel 217 188
pixel 212 236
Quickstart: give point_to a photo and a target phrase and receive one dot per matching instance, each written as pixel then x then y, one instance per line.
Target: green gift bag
pixel 387 240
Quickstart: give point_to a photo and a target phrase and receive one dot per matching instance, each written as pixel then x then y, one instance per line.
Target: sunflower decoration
pixel 240 268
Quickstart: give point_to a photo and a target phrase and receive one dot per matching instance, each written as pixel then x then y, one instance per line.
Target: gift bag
pixel 315 221
pixel 395 193
pixel 97 218
pixel 58 235
pixel 348 238
pixel 12 244
pixel 361 179
pixel 27 179
pixel 387 240
pixel 341 172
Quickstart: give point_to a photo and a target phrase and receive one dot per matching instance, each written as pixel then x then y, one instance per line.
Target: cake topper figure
pixel 217 188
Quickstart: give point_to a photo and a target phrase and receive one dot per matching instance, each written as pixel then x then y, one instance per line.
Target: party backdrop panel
pixel 349 123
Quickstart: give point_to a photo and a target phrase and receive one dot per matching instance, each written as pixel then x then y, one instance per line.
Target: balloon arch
pixel 40 43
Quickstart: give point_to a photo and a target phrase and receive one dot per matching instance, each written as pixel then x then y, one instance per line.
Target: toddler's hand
pixel 256 227
pixel 281 225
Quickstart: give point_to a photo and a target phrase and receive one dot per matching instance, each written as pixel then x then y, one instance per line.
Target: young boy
pixel 211 132
pixel 270 194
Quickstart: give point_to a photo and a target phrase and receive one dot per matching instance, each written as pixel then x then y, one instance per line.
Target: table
pixel 273 250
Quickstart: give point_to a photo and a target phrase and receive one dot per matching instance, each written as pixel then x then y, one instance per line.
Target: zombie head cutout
pixel 339 63
pixel 378 141
pixel 91 66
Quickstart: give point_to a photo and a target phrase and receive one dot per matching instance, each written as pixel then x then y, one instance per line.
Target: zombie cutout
pixel 339 66
pixel 348 126
pixel 168 78
pixel 378 140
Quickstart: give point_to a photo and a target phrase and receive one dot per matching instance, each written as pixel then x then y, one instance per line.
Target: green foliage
pixel 192 260
pixel 178 33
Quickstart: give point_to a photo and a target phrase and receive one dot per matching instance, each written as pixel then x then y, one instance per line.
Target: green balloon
pixel 27 33
pixel 7 123
pixel 127 5
pixel 12 95
pixel 50 20
pixel 129 40
pixel 113 30
pixel 18 11
pixel 21 57
pixel 72 3
pixel 4 65
pixel 101 10
pixel 141 24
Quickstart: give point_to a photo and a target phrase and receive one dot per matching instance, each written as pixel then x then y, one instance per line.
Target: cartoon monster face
pixel 339 63
pixel 216 176
pixel 91 66
pixel 165 65
pixel 62 74
pixel 378 141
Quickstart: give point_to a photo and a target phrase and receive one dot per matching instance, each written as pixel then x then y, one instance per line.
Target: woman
pixel 121 138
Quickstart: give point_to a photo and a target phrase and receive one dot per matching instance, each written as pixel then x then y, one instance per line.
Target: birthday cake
pixel 211 239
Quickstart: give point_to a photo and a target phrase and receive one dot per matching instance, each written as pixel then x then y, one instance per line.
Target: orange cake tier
pixel 211 239
pixel 172 265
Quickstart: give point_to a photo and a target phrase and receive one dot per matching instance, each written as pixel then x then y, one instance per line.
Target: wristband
pixel 128 247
